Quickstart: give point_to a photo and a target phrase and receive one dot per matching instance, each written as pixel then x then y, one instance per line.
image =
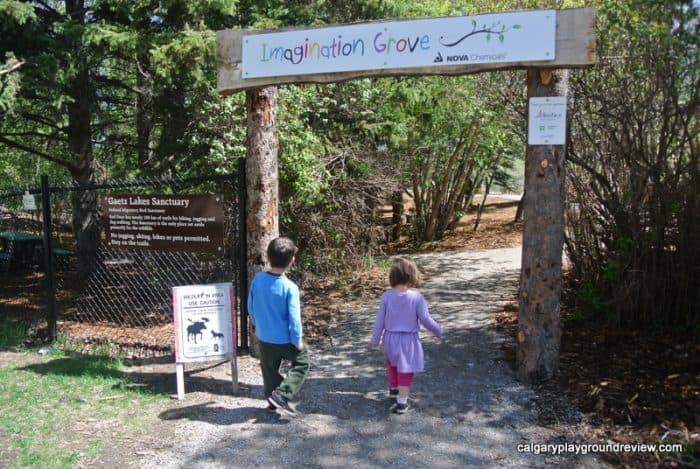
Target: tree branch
pixel 12 67
pixel 66 164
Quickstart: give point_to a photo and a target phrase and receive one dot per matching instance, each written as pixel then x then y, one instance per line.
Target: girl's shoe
pixel 393 392
pixel 399 408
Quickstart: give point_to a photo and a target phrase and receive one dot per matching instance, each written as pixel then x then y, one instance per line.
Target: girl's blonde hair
pixel 403 271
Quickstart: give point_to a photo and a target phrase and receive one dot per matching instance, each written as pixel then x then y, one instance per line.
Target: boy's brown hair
pixel 404 272
pixel 280 252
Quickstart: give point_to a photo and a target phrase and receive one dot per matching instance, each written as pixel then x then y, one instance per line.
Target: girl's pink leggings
pixel 396 378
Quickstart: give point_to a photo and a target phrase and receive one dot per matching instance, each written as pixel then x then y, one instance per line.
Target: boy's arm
pixel 294 309
pixel 251 315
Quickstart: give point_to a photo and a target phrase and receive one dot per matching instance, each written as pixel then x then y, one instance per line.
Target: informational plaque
pixel 164 222
pixel 204 321
pixel 547 121
pixel 28 202
pixel 205 327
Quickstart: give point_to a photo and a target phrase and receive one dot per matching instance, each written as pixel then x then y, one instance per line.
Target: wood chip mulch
pixel 631 386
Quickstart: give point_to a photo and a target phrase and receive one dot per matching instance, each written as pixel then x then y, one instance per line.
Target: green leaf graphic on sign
pixel 496 28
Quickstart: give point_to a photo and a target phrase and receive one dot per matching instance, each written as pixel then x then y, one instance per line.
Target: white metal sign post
pixel 205 328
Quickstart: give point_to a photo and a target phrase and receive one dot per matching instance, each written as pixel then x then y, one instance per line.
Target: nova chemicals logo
pixel 438 59
pixel 458 58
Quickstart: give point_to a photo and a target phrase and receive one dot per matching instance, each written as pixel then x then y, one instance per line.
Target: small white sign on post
pixel 205 327
pixel 547 121
pixel 28 202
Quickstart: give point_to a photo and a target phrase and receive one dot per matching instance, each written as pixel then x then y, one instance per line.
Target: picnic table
pixel 17 248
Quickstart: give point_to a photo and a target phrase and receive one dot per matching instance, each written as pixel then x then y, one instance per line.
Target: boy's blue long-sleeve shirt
pixel 273 304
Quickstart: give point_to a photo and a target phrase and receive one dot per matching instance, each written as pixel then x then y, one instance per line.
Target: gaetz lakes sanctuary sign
pixel 164 222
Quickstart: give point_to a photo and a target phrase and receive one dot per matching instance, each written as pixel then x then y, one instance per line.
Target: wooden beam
pixel 575 48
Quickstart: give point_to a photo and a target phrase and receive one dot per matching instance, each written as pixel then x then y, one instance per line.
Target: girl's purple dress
pixel 400 316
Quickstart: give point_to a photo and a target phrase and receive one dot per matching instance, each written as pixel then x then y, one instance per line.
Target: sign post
pixel 205 328
pixel 539 331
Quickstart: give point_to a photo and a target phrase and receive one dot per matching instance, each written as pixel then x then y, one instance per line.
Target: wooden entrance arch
pixel 546 43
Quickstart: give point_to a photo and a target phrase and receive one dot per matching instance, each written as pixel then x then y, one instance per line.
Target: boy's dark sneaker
pixel 399 408
pixel 281 403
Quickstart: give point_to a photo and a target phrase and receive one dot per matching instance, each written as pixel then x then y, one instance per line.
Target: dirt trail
pixel 467 407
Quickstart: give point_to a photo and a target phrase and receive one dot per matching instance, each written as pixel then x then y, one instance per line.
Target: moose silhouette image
pixel 216 335
pixel 195 329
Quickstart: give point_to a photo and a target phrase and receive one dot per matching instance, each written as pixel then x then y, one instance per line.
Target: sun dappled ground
pixel 497 229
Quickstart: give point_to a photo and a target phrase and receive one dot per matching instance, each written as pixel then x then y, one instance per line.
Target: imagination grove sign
pixel 502 37
pixel 455 45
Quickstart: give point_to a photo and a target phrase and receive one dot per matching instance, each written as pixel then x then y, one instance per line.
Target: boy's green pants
pixel 271 356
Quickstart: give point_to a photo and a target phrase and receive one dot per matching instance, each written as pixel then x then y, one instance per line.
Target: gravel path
pixel 467 407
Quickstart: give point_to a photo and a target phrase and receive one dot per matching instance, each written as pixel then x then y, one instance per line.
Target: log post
pixel 539 329
pixel 262 224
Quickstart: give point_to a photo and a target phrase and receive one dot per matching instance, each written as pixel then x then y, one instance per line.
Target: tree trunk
pixel 480 210
pixel 397 215
pixel 539 332
pixel 262 224
pixel 84 203
pixel 144 111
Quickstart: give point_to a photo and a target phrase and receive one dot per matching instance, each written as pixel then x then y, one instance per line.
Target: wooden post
pixel 539 331
pixel 262 177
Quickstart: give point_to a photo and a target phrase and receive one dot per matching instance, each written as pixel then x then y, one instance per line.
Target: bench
pixel 61 256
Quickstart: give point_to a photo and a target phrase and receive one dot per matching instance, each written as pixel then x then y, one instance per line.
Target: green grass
pixel 60 409
pixel 11 333
pixel 382 262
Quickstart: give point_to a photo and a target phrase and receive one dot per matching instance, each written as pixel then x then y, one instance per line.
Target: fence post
pixel 243 252
pixel 48 258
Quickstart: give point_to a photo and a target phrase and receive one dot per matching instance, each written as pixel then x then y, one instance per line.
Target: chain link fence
pixel 105 293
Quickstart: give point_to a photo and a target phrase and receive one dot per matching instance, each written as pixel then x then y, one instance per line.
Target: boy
pixel 273 304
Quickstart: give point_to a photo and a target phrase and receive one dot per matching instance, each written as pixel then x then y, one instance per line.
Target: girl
pixel 401 312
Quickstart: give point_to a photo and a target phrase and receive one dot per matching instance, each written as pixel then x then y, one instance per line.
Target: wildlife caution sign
pixel 204 322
